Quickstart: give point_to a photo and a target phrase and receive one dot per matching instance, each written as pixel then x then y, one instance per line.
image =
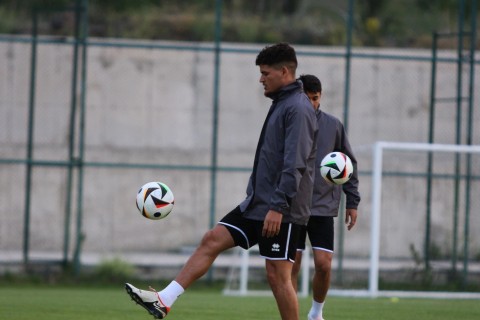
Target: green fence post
pixel 30 142
pixel 346 99
pixel 71 140
pixel 431 135
pixel 473 41
pixel 82 8
pixel 216 85
pixel 458 136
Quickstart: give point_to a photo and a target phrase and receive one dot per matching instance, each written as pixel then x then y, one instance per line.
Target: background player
pixel 326 200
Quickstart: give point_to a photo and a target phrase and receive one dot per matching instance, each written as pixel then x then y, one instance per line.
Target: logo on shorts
pixel 276 247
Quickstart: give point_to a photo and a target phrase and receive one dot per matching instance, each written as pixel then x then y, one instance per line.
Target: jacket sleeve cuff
pixel 282 209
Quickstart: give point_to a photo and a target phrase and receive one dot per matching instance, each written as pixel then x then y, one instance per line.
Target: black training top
pixel 283 170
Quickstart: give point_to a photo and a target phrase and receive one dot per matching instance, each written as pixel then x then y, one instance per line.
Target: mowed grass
pixel 82 303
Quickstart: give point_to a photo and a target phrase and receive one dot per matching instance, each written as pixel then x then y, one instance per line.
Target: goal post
pixel 377 165
pixel 245 261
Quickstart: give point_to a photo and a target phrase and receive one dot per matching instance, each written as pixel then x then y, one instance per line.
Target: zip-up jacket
pixel 283 170
pixel 326 197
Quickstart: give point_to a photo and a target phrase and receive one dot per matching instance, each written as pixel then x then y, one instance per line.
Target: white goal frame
pixel 374 262
pixel 378 150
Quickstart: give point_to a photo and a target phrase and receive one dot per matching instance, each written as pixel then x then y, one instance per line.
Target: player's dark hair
pixel 311 83
pixel 280 54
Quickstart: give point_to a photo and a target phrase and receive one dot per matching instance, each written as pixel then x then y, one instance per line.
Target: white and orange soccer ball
pixel 155 200
pixel 336 167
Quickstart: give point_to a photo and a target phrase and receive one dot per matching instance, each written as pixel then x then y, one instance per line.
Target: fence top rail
pixel 427 147
pixel 329 52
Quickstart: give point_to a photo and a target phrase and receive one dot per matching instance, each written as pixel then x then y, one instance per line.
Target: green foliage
pixel 107 272
pixel 114 270
pixel 7 21
pixel 320 22
pixel 121 5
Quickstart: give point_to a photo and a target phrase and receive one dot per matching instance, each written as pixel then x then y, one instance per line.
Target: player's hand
pixel 350 218
pixel 272 223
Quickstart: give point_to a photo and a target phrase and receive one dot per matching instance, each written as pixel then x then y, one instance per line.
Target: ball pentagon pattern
pixel 336 168
pixel 155 200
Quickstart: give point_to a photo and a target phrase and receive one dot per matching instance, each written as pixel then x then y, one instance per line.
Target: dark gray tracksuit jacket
pixel 326 197
pixel 284 172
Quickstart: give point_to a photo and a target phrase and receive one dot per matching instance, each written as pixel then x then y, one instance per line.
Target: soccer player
pixel 279 193
pixel 326 200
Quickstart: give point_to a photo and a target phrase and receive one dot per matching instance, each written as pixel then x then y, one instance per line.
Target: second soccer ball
pixel 336 167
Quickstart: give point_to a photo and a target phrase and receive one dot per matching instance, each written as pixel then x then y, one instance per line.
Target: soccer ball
pixel 155 200
pixel 336 167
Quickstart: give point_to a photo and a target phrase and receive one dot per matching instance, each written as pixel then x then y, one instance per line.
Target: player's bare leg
pixel 158 304
pixel 296 269
pixel 213 243
pixel 321 277
pixel 321 282
pixel 279 277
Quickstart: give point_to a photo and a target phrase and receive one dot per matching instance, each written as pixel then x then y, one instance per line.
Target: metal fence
pixel 56 146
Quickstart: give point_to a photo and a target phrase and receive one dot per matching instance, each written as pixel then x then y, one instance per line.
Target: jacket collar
pixel 296 85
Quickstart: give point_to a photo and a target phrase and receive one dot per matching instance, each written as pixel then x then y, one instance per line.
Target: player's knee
pixel 210 241
pixel 272 274
pixel 278 273
pixel 216 240
pixel 274 279
pixel 323 266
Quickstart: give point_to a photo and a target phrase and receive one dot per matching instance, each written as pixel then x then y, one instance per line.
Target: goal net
pixel 420 239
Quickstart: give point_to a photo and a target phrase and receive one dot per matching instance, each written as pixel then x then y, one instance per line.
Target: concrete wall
pixel 154 106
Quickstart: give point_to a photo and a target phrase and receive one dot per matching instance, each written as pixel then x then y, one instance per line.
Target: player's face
pixel 272 79
pixel 314 98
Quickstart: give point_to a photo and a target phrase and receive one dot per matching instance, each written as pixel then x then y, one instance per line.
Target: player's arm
pixel 351 186
pixel 350 218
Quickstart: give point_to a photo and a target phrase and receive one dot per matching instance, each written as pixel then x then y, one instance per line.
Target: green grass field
pixel 83 303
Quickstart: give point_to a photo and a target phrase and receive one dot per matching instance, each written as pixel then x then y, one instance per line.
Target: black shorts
pixel 247 232
pixel 320 232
